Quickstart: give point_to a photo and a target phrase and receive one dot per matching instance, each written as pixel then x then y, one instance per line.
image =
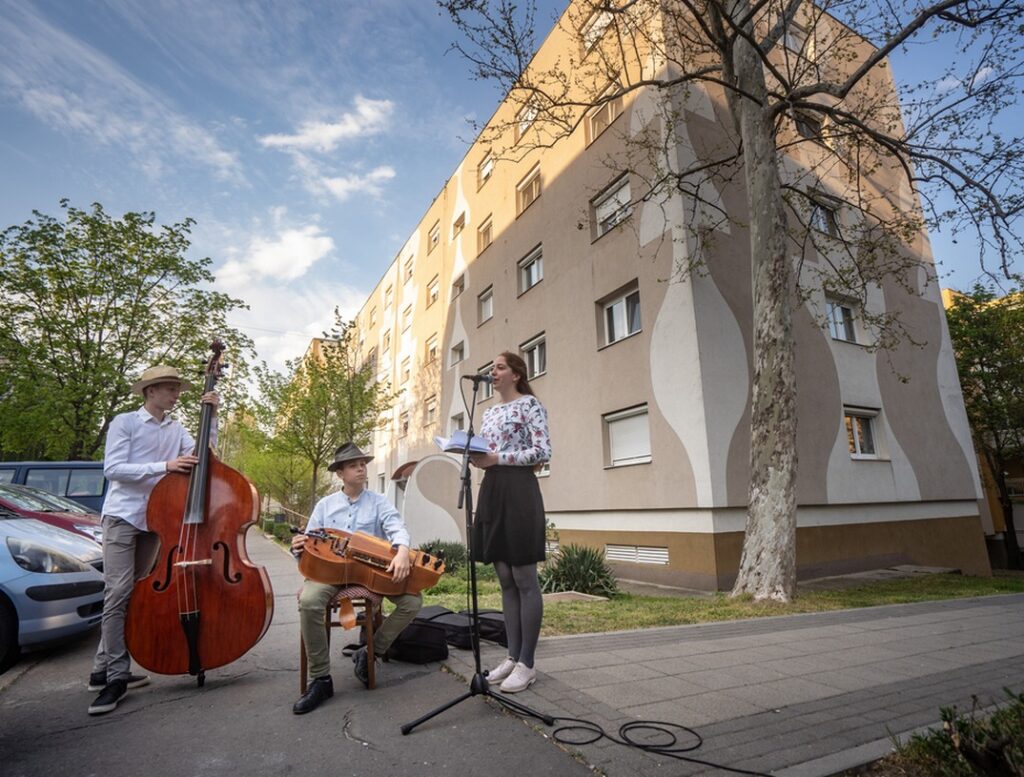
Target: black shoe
pixel 317 691
pixel 109 698
pixel 361 669
pixel 98 681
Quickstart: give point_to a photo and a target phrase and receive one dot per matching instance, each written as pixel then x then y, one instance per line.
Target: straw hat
pixel 345 453
pixel 161 373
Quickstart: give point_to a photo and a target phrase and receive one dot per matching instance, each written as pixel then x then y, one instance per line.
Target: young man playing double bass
pixel 352 509
pixel 142 446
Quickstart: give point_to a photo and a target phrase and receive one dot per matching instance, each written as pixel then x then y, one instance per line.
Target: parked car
pixel 24 502
pixel 51 586
pixel 81 481
pixel 62 503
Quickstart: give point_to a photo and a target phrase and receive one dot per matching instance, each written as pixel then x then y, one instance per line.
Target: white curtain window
pixel 612 207
pixel 535 356
pixel 622 317
pixel 486 389
pixel 840 321
pixel 486 168
pixel 486 304
pixel 531 270
pixel 629 437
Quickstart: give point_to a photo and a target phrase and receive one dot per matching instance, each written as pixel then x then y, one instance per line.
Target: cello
pixel 204 603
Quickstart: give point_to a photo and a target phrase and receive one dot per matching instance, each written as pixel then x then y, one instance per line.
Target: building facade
pixel 645 366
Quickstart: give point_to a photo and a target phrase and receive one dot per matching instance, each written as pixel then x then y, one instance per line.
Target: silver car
pixel 51 585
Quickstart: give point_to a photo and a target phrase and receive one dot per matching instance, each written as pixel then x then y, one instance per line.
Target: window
pixel 628 437
pixel 373 316
pixel 486 389
pixel 431 352
pixel 612 206
pixel 860 432
pixel 621 316
pixel 535 355
pixel 531 270
pixel 406 369
pixel 407 318
pixel 525 118
pixel 485 304
pixel 601 117
pixel 386 342
pixel 594 29
pixel 403 424
pixel 840 320
pixel 795 38
pixel 432 291
pixel 824 219
pixel 430 411
pixel 371 360
pixel 53 480
pixel 434 237
pixel 457 423
pixel 389 297
pixel 808 126
pixel 485 169
pixel 381 484
pixel 459 225
pixel 484 235
pixel 528 190
pixel 408 270
pixel 84 482
pixel 457 354
pixel 458 286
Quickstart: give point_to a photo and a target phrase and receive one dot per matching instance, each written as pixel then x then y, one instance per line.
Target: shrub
pixel 453 553
pixel 283 532
pixel 969 745
pixel 578 568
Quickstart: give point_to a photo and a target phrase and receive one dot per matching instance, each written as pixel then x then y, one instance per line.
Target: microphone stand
pixel 478 686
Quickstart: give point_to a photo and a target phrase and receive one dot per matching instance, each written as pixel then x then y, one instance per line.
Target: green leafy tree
pixel 323 399
pixel 988 338
pixel 89 301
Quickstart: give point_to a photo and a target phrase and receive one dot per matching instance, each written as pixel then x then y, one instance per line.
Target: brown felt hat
pixel 345 453
pixel 161 373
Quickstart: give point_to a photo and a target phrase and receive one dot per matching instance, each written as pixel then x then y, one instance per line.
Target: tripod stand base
pixel 479 686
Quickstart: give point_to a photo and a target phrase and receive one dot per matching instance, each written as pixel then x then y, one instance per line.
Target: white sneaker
pixel 522 677
pixel 502 670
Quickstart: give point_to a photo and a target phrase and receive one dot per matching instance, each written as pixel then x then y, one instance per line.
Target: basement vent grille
pixel 637 554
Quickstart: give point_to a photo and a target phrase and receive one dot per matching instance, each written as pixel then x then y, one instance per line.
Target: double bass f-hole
pixel 161 585
pixel 235 578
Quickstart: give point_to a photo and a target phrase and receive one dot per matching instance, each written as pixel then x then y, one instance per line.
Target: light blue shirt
pixel 369 512
pixel 135 458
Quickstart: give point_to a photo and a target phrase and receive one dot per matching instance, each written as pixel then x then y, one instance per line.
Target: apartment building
pixel 645 368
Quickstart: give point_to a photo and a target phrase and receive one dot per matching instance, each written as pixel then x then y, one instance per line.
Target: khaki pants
pixel 313 602
pixel 128 555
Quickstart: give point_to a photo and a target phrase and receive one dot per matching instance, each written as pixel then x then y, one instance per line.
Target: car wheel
pixel 8 635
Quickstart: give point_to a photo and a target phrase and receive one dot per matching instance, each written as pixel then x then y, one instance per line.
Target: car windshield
pixel 57 502
pixel 26 500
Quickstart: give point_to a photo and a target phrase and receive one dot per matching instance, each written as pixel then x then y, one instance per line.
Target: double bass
pixel 204 604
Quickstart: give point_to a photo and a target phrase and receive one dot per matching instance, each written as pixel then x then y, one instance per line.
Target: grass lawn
pixel 631 612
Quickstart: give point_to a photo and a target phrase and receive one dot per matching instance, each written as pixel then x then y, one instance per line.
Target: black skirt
pixel 509 524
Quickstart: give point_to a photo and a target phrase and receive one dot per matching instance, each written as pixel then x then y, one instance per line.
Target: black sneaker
pixel 109 698
pixel 361 669
pixel 98 681
pixel 318 690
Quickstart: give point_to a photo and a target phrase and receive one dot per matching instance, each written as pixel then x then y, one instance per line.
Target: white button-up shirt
pixel 135 458
pixel 369 512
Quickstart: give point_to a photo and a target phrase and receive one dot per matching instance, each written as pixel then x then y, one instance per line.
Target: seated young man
pixel 352 509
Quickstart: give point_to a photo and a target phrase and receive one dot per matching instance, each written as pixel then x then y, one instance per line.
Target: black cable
pixel 667 746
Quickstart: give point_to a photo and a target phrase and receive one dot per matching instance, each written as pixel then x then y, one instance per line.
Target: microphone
pixel 478 379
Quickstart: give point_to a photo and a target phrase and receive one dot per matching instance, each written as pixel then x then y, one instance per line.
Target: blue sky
pixel 306 139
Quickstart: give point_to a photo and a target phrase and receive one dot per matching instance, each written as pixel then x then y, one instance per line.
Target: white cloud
pixel 72 87
pixel 344 186
pixel 369 117
pixel 284 256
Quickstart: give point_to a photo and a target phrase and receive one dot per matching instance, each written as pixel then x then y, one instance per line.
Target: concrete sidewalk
pixel 801 695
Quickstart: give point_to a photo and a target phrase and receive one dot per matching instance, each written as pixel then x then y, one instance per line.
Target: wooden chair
pixel 369 615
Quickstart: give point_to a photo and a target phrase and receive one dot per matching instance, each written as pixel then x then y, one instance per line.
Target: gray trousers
pixel 128 555
pixel 313 602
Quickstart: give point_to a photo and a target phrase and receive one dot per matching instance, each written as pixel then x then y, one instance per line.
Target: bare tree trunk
pixel 768 564
pixel 1010 532
pixel 312 493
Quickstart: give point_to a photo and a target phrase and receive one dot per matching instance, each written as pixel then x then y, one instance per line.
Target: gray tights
pixel 523 606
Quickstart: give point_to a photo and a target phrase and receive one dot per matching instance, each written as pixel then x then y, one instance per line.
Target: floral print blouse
pixel 518 432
